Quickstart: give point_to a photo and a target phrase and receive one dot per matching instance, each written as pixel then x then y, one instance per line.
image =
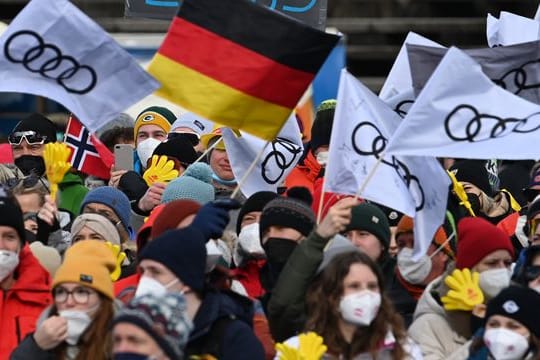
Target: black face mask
pixel 31 164
pixel 279 250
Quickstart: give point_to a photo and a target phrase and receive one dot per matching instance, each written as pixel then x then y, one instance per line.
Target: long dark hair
pixel 95 342
pixel 323 316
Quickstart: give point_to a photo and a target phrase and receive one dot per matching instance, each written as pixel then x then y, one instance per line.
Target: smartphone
pixel 123 157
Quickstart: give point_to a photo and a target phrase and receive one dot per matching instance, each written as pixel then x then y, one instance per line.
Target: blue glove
pixel 213 217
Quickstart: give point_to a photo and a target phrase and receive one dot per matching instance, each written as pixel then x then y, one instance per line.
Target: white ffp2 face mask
pixel 493 281
pixel 148 285
pixel 413 272
pixel 77 322
pixel 361 307
pixel 322 158
pixel 504 344
pixel 8 262
pixel 145 149
pixel 249 239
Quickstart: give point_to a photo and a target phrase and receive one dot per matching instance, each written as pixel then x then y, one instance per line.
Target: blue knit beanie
pixel 183 252
pixel 113 198
pixel 194 184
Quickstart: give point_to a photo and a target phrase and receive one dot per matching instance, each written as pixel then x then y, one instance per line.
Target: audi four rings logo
pixel 48 61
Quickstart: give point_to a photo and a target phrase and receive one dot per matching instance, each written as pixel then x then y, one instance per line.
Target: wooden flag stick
pixel 321 200
pixel 209 149
pixel 369 176
pixel 249 170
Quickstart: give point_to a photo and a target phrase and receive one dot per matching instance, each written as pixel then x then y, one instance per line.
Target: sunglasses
pixel 194 139
pixel 27 181
pixel 31 137
pixel 532 272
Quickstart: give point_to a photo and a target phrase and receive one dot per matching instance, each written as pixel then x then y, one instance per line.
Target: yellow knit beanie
pixel 89 263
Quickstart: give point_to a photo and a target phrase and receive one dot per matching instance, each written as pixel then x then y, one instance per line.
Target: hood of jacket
pixel 216 305
pixel 427 304
pixel 31 278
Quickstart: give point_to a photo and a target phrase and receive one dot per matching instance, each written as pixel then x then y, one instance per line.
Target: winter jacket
pixel 385 352
pixel 29 349
pixel 21 305
pixel 514 226
pixel 432 328
pixel 72 193
pixel 401 298
pixel 223 328
pixel 305 173
pixel 286 308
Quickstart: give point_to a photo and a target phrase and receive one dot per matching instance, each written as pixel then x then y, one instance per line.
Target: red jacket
pixel 304 174
pixel 124 289
pixel 21 305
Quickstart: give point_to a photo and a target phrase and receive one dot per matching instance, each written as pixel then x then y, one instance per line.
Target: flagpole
pixel 321 200
pixel 249 170
pixel 370 175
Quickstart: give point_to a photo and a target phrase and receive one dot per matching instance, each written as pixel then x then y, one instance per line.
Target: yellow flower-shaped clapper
pixel 465 292
pixel 287 352
pixel 160 170
pixel 120 257
pixel 56 157
pixel 310 347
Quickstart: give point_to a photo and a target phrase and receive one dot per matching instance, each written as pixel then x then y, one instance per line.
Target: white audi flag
pixel 280 156
pixel 511 29
pixel 462 113
pixel 399 79
pixel 416 186
pixel 52 49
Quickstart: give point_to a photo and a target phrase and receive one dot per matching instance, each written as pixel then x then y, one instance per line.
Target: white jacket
pixel 432 331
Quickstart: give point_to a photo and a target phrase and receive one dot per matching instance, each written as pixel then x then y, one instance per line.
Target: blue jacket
pixel 223 328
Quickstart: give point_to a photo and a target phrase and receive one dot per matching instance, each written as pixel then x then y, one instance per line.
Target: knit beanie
pixel 38 123
pixel 534 208
pixel 178 148
pixel 392 215
pixel 164 318
pixel 370 218
pixel 406 225
pixel 144 232
pixel 474 172
pixel 97 223
pixel 154 115
pixel 113 198
pixel 12 215
pixel 292 212
pixel 322 125
pixel 181 251
pixel 255 202
pixel 339 244
pixel 477 239
pixel 518 303
pixel 194 184
pixel 89 263
pixel 172 214
pixel 194 122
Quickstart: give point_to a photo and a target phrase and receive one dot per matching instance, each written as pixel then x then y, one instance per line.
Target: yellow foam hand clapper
pixel 464 293
pixel 459 190
pixel 161 170
pixel 310 347
pixel 56 157
pixel 120 257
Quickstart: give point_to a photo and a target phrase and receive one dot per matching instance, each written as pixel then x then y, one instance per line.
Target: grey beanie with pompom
pixel 194 184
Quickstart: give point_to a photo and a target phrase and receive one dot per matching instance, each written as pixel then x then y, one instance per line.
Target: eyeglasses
pixel 27 182
pixel 31 137
pixel 532 272
pixel 80 295
pixel 194 139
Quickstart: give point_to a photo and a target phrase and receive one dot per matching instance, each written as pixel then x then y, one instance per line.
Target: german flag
pixel 238 63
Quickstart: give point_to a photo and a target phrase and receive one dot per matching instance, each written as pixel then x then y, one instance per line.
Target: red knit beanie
pixel 478 238
pixel 172 214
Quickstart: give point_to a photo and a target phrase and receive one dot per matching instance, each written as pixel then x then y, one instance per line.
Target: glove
pixel 161 170
pixel 120 257
pixel 464 293
pixel 311 346
pixel 287 352
pixel 56 157
pixel 133 185
pixel 213 217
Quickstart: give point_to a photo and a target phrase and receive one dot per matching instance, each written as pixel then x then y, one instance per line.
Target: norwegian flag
pixel 88 154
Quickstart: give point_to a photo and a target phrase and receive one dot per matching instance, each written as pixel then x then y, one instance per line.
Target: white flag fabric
pixel 52 49
pixel 511 29
pixel 515 67
pixel 399 78
pixel 416 186
pixel 462 113
pixel 279 158
pixel 537 15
